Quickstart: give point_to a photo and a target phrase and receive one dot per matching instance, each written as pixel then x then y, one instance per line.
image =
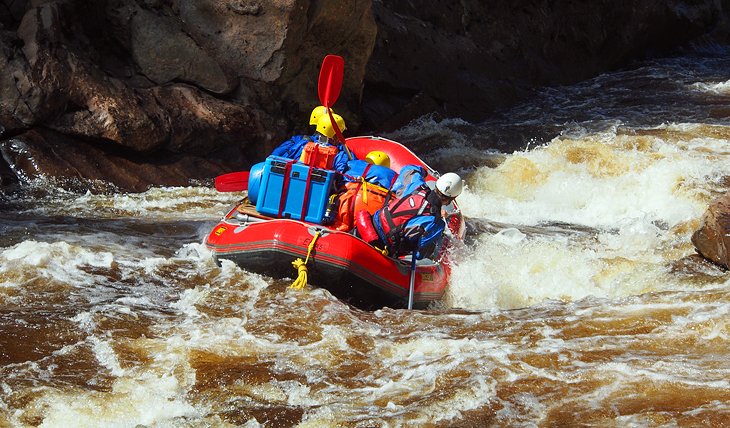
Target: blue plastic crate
pixel 270 201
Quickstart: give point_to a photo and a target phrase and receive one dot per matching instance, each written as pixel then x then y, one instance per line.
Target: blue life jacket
pixel 293 147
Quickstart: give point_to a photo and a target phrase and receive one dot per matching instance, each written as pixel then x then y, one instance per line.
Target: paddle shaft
pixel 412 285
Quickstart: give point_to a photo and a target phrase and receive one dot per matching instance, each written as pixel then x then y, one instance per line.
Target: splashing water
pixel 572 301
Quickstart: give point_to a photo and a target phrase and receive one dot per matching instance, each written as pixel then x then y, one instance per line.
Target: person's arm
pixel 431 236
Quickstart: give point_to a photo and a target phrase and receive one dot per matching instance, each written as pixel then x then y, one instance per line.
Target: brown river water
pixel 572 302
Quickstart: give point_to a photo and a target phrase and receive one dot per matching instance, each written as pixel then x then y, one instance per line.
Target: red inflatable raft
pixel 338 261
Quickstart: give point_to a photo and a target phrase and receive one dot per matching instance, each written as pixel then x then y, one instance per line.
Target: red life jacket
pixel 393 217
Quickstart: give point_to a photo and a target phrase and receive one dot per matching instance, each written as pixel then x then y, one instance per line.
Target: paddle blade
pixel 232 182
pixel 330 79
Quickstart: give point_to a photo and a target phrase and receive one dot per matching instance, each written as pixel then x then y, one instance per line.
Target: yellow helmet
pixel 377 157
pixel 317 113
pixel 324 126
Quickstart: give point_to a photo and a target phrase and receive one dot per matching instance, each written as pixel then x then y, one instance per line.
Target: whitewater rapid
pixel 572 301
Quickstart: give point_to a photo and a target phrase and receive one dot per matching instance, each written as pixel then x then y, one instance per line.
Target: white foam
pixel 145 400
pixel 407 371
pixel 106 356
pixel 632 190
pixel 159 203
pixel 609 185
pixel 194 251
pixel 57 261
pixel 716 88
pixel 34 253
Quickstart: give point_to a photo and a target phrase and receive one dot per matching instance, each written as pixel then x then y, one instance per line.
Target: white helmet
pixel 450 185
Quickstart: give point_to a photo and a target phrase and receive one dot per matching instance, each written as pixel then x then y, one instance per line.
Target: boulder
pixel 150 78
pixel 712 239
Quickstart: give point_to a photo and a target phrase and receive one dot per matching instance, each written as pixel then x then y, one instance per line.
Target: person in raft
pixel 294 148
pixel 413 220
pixel 375 169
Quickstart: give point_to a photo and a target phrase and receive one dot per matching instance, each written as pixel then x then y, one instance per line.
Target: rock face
pixel 469 57
pixel 65 162
pixel 218 83
pixel 712 239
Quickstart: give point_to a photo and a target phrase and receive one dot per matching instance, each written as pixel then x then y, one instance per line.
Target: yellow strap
pixel 301 265
pixel 364 191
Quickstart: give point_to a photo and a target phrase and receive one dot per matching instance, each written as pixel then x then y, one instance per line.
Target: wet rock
pixel 75 164
pixel 61 89
pixel 712 239
pixel 14 112
pixel 11 11
pixel 697 267
pixel 110 73
pixel 276 48
pixel 54 84
pixel 203 124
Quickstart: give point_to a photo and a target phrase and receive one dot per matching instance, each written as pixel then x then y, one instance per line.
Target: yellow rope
pixel 301 266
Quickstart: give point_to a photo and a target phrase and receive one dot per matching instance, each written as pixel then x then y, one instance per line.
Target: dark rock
pixel 697 267
pixel 76 164
pixel 203 124
pixel 166 54
pixel 473 57
pixel 11 11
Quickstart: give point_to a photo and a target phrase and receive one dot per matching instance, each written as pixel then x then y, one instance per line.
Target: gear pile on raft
pixel 363 217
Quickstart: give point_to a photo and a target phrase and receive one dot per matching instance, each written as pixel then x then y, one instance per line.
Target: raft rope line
pixel 301 265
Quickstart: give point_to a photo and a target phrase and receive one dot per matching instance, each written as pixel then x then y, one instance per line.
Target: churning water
pixel 572 301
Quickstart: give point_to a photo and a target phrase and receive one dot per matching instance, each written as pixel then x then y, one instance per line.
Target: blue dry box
pixel 294 202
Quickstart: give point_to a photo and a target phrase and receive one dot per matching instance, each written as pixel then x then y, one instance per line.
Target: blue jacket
pixel 410 178
pixel 293 148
